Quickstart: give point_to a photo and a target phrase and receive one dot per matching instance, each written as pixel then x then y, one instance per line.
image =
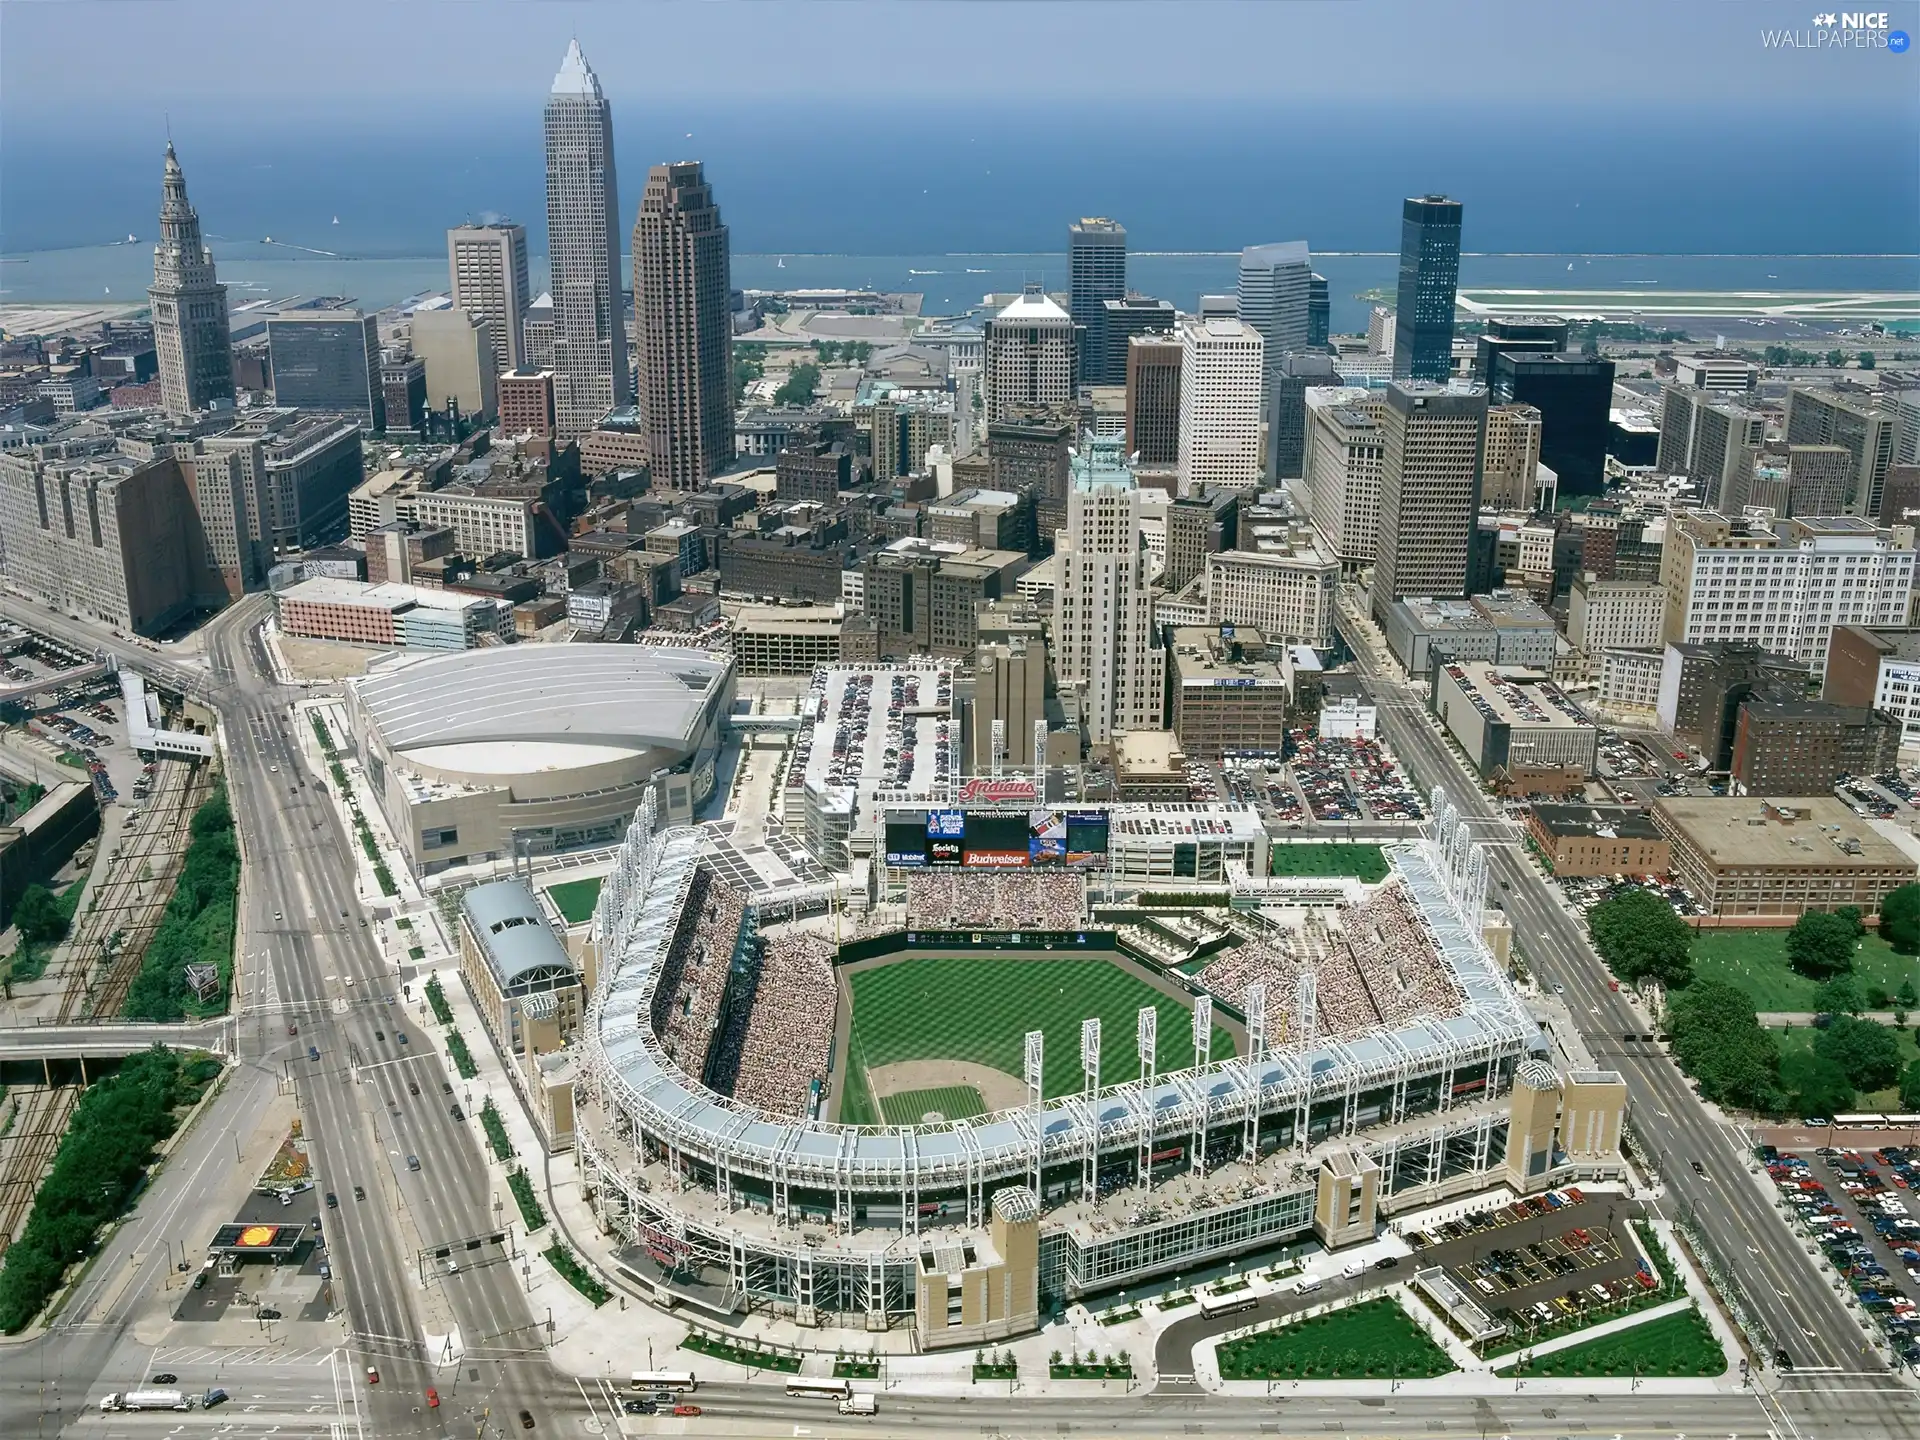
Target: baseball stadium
pixel 1023 1088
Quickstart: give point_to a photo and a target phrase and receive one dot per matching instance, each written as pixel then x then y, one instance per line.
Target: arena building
pixel 536 748
pixel 1365 1056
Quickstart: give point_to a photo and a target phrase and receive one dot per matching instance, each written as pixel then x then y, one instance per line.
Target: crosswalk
pixel 184 1357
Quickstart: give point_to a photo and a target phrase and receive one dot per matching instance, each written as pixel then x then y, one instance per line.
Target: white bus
pixel 1213 1306
pixel 820 1389
pixel 677 1382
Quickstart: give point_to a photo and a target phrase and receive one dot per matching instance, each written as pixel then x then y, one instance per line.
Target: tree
pixel 38 917
pixel 1821 945
pixel 1814 1085
pixel 1910 1086
pixel 1866 359
pixel 1905 997
pixel 1900 919
pixel 1641 938
pixel 1867 1052
pixel 1837 358
pixel 1718 1040
pixel 798 387
pixel 1840 996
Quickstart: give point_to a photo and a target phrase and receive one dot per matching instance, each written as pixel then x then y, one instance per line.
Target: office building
pixel 1852 417
pixel 1508 720
pixel 1429 275
pixel 1198 525
pixel 1097 273
pixel 1319 312
pixel 1598 840
pixel 1614 614
pixel 536 332
pixel 1517 334
pixel 1702 688
pixel 328 361
pixel 1288 382
pixel 905 424
pixel 1706 436
pixel 683 327
pixel 1798 479
pixel 1029 450
pixel 1276 285
pixel 1746 857
pixel 1879 668
pixel 1345 454
pixel 922 600
pixel 1574 395
pixel 1230 692
pixel 1728 374
pixel 1009 686
pixel 406 617
pixel 1221 365
pixel 526 403
pixel 1120 320
pixel 1900 397
pixel 1103 631
pixel 1153 399
pixel 1380 330
pixel 1900 497
pixel 589 359
pixel 489 268
pixel 812 468
pixel 1429 487
pixel 403 386
pixel 1031 356
pixel 191 333
pixel 1783 585
pixel 1503 628
pixel 1512 469
pixel 458 349
pixel 1630 686
pixel 307 466
pixel 1801 747
pixel 1285 589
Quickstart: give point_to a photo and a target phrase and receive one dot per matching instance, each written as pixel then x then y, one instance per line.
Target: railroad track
pixel 29 1151
pixel 158 846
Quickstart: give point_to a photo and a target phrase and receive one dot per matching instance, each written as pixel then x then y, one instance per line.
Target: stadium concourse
pixel 1387 1065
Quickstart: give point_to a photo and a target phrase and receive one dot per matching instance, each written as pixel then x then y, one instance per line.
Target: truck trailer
pixel 146 1400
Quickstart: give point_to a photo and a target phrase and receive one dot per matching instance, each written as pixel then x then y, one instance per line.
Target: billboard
pixel 906 838
pixel 1087 837
pixel 998 790
pixel 997 840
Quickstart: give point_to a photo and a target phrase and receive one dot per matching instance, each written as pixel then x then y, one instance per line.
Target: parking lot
pixel 1352 780
pixel 1858 1205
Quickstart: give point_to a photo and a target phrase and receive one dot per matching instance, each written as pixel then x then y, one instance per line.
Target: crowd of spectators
pixel 1375 965
pixel 693 977
pixel 995 900
pixel 778 1042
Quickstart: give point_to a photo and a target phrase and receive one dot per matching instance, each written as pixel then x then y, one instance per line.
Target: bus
pixel 1213 1306
pixel 819 1389
pixel 675 1382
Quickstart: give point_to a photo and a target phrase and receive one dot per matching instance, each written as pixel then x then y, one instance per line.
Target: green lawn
pixel 1801 1038
pixel 1363 862
pixel 575 899
pixel 1674 1345
pixel 1755 961
pixel 954 1102
pixel 979 1008
pixel 1373 1339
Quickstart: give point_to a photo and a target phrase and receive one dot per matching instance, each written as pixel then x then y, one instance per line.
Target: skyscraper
pixel 1429 489
pixel 1319 312
pixel 683 330
pixel 1429 275
pixel 327 358
pixel 1153 399
pixel 1031 355
pixel 1102 608
pixel 1276 290
pixel 489 268
pixel 583 251
pixel 191 332
pixel 1096 273
pixel 1220 367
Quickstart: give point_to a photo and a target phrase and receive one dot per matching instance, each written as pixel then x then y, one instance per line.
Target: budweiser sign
pixel 984 791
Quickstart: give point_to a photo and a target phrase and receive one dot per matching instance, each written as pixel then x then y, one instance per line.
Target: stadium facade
pixel 970 1230
pixel 536 748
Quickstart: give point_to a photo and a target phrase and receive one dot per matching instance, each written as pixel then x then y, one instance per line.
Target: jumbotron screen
pixel 987 839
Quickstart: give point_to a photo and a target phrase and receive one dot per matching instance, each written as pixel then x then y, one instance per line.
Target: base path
pixel 999 1090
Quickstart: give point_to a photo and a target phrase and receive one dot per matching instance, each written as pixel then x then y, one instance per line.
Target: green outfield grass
pixel 979 1008
pixel 955 1102
pixel 1362 862
pixel 1680 1344
pixel 575 899
pixel 1755 961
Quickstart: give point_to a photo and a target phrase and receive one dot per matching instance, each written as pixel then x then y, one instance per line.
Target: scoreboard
pixel 996 839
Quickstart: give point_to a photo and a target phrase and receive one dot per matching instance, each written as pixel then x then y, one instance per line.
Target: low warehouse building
pixel 1598 840
pixel 1745 857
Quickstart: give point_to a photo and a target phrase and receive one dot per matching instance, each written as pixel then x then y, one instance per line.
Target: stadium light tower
pixel 1146 1037
pixel 1256 1003
pixel 1202 1048
pixel 1090 1092
pixel 1036 1071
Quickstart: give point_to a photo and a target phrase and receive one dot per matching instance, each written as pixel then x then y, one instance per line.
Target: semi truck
pixel 146 1400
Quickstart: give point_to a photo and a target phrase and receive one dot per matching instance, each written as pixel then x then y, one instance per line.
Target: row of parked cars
pixel 1846 1249
pixel 1480 1220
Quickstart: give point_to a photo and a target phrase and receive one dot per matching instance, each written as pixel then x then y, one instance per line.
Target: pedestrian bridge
pixel 79 1054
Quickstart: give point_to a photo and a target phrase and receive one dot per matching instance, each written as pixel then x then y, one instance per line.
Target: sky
pixel 112 61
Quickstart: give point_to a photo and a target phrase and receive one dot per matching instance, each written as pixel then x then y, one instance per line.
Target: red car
pixel 373 1376
pixel 433 1398
pixel 685 1411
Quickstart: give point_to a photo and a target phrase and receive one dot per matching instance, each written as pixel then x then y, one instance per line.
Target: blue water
pixel 873 193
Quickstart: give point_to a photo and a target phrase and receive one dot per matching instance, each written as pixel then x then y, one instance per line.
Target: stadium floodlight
pixel 1256 1006
pixel 1036 1058
pixel 1090 1044
pixel 1146 1034
pixel 1202 1025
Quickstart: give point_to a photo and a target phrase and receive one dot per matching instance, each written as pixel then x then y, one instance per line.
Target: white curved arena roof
pixel 621 697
